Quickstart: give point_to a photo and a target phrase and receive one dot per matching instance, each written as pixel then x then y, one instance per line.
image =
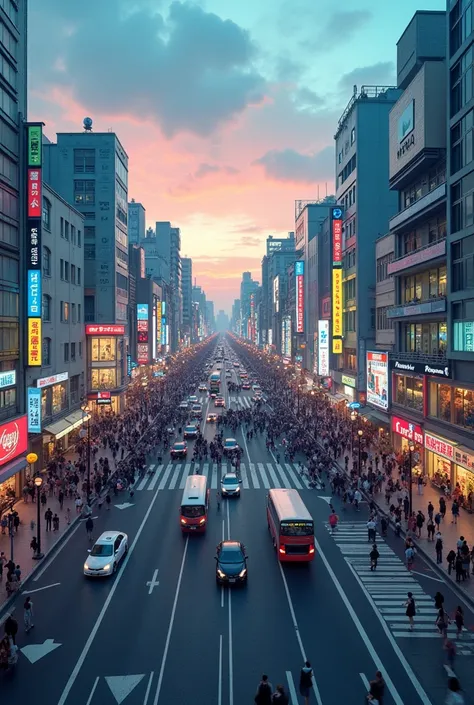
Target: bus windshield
pixel 296 528
pixel 193 511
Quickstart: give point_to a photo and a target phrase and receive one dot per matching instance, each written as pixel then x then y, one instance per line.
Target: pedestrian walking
pixel 439 600
pixel 11 628
pixel 3 562
pixel 377 689
pixel 263 696
pixel 68 516
pixel 55 523
pixel 306 682
pixel 48 515
pixel 454 696
pixel 410 610
pixel 279 697
pixel 442 622
pixel 28 614
pixel 89 528
pixel 459 620
pixel 108 500
pixel 439 548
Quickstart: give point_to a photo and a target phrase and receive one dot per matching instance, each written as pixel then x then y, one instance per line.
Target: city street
pixel 161 631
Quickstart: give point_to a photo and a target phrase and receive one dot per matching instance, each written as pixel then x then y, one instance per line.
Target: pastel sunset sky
pixel 226 108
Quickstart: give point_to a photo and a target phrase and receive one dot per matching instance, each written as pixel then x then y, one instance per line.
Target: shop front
pixel 451 465
pixel 407 435
pixel 13 447
pixel 106 362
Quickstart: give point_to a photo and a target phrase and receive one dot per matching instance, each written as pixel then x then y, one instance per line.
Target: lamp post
pixel 359 433
pixel 411 448
pixel 38 482
pixel 353 418
pixel 86 410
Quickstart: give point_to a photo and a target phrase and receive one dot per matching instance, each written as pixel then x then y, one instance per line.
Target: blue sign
pixel 163 330
pixel 34 293
pixel 34 410
pixel 142 312
pixel 129 364
pixel 299 269
pixel 336 213
pixel 134 365
pixel 354 405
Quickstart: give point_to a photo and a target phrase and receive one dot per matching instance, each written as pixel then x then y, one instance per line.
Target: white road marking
pixel 141 486
pixel 170 626
pixel 187 468
pixel 266 484
pixel 254 476
pixel 228 520
pixel 245 444
pixel 365 681
pixel 424 575
pixel 286 483
pixel 291 688
pixel 89 699
pixel 153 583
pixel 125 505
pixel 164 479
pixel 35 652
pixel 46 565
pixel 243 474
pixel 155 478
pixel 122 686
pixel 98 623
pixel 219 678
pixel 205 470
pixel 148 688
pixel 30 592
pixel 276 482
pixel 214 477
pixel 293 476
pixel 231 655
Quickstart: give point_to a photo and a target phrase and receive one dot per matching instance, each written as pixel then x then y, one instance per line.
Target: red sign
pixel 300 304
pixel 13 439
pixel 93 329
pixel 142 354
pixel 439 446
pixel 104 398
pixel 410 431
pixel 34 193
pixel 337 241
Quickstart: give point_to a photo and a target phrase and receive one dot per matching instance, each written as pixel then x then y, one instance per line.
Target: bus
pixel 291 526
pixel 215 382
pixel 194 505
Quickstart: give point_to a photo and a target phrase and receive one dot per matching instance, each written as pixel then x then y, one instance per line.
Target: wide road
pixel 161 632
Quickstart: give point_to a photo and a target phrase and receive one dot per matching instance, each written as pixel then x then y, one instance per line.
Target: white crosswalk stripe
pixel 254 476
pixel 388 585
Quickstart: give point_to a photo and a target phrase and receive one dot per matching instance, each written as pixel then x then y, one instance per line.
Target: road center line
pixel 231 656
pixel 219 680
pixel 291 688
pixel 148 688
pixel 170 627
pixel 89 699
pixel 297 632
pixel 222 586
pixel 100 618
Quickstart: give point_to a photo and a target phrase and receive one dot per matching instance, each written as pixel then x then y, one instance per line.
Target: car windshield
pixel 296 528
pixel 229 480
pixel 190 429
pixel 229 444
pixel 179 446
pixel 192 511
pixel 101 549
pixel 231 554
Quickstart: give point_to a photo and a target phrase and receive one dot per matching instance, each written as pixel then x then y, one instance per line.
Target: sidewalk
pixel 22 552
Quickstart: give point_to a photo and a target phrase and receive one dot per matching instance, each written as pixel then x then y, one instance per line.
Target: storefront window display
pixel 7 491
pixel 465 485
pixel 409 392
pixel 464 407
pixel 452 404
pixel 103 349
pixel 53 400
pixel 438 470
pixel 104 378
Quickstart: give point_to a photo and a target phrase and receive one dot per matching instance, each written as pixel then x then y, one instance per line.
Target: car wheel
pixel 126 549
pixel 114 569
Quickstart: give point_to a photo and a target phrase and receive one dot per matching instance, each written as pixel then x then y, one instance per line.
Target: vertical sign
pixel 337 296
pixel 299 274
pixel 34 410
pixel 153 330
pixel 323 348
pixel 158 325
pixel 377 379
pixel 33 247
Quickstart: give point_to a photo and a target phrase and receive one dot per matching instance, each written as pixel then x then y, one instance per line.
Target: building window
pixel 350 359
pixel 79 238
pixel 46 312
pixel 73 234
pixel 78 281
pixel 46 213
pixel 66 352
pixel 74 389
pixel 460 24
pixel 461 78
pixel 73 351
pixel 409 392
pixel 103 349
pixel 66 271
pixel 89 251
pixel 64 312
pixel 46 261
pixel 73 313
pixel 349 321
pixel 61 228
pixel 425 338
pixel 78 313
pixel 104 378
pixel 84 161
pixel 383 323
pixel 84 193
pixel 412 289
pixel 353 135
pixel 73 273
pixel 438 281
pixel 61 269
pixel 382 265
pixel 46 352
pixel 462 268
pixel 80 349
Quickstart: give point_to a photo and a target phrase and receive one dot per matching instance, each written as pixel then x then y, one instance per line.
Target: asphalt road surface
pixel 161 632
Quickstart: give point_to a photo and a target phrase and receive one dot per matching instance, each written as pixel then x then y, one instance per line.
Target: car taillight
pixel 282 549
pixel 311 549
pixel 183 521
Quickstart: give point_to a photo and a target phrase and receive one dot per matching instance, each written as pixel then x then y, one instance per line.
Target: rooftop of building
pixel 374 94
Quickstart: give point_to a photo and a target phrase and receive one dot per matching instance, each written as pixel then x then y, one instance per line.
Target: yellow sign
pixel 337 303
pixel 337 346
pixel 34 342
pixel 159 314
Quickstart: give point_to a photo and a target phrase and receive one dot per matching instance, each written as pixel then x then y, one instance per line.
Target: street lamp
pixel 38 482
pixel 359 433
pixel 353 418
pixel 86 410
pixel 411 448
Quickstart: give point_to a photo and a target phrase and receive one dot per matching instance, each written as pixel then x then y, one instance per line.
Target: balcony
pixel 425 254
pixel 418 308
pixel 425 358
pixel 421 207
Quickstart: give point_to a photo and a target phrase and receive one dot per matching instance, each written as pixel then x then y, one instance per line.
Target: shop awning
pixel 376 417
pixel 59 428
pixel 12 468
pixel 337 398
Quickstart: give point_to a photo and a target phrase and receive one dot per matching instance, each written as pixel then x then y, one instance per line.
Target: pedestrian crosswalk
pixel 388 585
pixel 254 476
pixel 235 402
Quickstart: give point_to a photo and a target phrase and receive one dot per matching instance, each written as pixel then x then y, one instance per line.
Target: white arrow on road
pixel 122 686
pixel 125 505
pixel 153 583
pixel 35 652
pixel 326 499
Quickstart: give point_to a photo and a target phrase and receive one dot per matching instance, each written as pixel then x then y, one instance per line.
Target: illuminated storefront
pixel 13 446
pixel 106 362
pixel 404 434
pixel 448 461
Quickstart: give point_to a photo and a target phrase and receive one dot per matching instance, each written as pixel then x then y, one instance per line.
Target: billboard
pixel 34 193
pixel 337 302
pixel 286 336
pixel 34 410
pixel 142 312
pixel 336 227
pixel 142 353
pixel 13 439
pixel 34 207
pixel 34 292
pixel 34 342
pixel 323 348
pixel 158 324
pixel 377 379
pixel 299 274
pixel 276 294
pixel 153 333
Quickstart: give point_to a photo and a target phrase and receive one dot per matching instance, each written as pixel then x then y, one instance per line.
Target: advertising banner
pixel 13 439
pixel 34 245
pixel 142 353
pixel 405 429
pixel 93 329
pixel 336 218
pixel 299 273
pixel 34 342
pixel 337 302
pixel 34 292
pixel 34 193
pixel 104 398
pixel 142 312
pixel 153 333
pixel 377 379
pixel 163 329
pixel 323 348
pixel 34 145
pixel 7 379
pixel 158 323
pixel 34 410
pixel 142 331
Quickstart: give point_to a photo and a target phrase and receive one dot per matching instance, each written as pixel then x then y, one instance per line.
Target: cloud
pixel 189 70
pixel 380 74
pixel 293 166
pixel 206 169
pixel 307 100
pixel 339 29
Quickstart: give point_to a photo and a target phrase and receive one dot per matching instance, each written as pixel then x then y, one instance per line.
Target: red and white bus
pixel 291 526
pixel 194 505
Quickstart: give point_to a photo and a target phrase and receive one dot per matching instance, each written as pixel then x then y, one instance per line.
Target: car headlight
pixel 183 521
pixel 203 521
pixel 242 573
pixel 224 491
pixel 86 567
pixel 106 567
pixel 220 573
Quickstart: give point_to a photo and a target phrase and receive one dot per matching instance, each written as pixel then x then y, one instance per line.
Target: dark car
pixel 191 431
pixel 179 450
pixel 246 385
pixel 231 563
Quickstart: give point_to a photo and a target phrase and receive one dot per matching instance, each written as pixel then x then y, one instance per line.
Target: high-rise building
pixel 222 322
pixel 248 287
pixel 365 205
pixel 235 318
pixel 90 171
pixel 187 290
pixel 210 318
pixel 136 222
